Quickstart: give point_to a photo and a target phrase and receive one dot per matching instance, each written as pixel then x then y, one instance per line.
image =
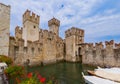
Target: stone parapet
pixel 54 21
pixel 31 17
pixel 74 31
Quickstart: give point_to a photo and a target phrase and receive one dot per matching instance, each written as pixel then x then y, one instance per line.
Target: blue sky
pixel 99 18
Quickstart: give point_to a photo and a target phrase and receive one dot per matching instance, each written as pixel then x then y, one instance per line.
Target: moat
pixel 63 72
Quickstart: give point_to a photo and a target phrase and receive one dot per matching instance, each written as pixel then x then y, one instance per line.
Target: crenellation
pixel 53 21
pixel 109 43
pixel 74 31
pixel 54 26
pixel 117 45
pixel 99 45
pixel 31 17
pixel 107 56
pixel 18 32
pixel 90 45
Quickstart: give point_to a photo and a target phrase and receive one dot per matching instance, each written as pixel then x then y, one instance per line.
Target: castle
pixel 45 46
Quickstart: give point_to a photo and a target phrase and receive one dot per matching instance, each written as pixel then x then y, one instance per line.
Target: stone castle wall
pixel 30 26
pixel 38 45
pixel 100 55
pixel 73 37
pixel 49 48
pixel 4 29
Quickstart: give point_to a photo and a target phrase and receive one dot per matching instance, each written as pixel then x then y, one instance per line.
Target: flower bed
pixel 17 74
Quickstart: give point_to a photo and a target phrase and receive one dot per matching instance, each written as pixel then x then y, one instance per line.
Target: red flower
pixel 39 76
pixel 29 75
pixel 42 80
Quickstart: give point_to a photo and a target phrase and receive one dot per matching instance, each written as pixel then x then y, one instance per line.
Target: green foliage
pixel 6 59
pixel 30 81
pixel 14 71
pixel 49 82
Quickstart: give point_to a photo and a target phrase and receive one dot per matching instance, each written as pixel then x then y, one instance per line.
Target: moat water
pixel 63 72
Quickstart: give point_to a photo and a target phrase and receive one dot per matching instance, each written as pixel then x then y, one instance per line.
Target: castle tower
pixel 18 32
pixel 54 25
pixel 4 29
pixel 73 37
pixel 30 27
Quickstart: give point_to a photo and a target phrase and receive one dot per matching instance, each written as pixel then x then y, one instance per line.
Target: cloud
pixel 99 18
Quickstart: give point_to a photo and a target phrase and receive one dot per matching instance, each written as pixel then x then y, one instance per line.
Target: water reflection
pixel 64 72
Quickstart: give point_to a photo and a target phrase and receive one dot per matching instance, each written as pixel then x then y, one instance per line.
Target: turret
pixel 73 38
pixel 75 32
pixel 54 25
pixel 30 26
pixel 31 17
pixel 18 32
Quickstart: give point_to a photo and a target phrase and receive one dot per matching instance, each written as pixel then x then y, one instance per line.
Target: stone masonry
pixel 45 46
pixel 98 54
pixel 4 29
pixel 73 37
pixel 37 45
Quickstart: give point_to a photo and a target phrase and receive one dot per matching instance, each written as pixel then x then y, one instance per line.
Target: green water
pixel 63 72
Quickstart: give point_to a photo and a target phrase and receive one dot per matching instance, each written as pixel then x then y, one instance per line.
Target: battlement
pixel 54 21
pixel 117 45
pixel 74 31
pixel 100 44
pixel 31 17
pixel 109 43
pixel 6 7
pixel 47 32
pixel 18 32
pixel 18 29
pixel 90 44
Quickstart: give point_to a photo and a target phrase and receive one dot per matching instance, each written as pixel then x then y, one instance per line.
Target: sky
pixel 99 18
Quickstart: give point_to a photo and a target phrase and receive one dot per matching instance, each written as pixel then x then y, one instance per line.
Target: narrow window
pixel 25 49
pixel 79 51
pixel 16 51
pixel 32 51
pixel 34 26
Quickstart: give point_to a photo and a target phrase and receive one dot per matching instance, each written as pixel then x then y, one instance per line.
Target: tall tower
pixel 30 27
pixel 4 29
pixel 73 37
pixel 54 25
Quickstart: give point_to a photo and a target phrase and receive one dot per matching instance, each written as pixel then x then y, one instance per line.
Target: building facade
pixel 35 44
pixel 46 46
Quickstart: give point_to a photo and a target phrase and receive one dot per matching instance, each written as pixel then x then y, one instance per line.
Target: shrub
pixel 14 71
pixel 6 59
